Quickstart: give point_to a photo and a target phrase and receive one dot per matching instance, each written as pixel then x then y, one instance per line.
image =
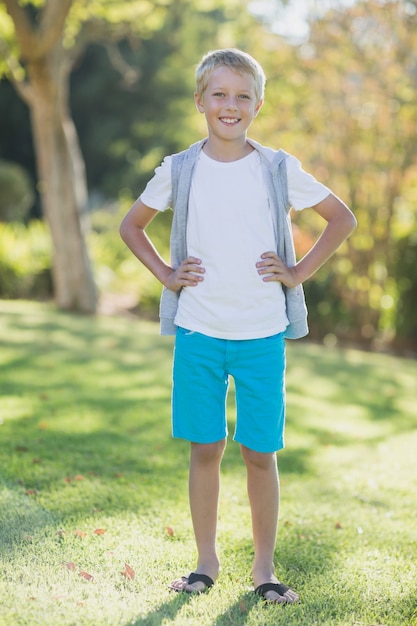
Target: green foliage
pixel 85 446
pixel 25 260
pixel 16 142
pixel 405 267
pixel 342 103
pixel 328 313
pixel 16 192
pixel 116 270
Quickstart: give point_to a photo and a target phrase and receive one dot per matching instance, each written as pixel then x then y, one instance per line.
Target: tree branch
pixel 16 71
pixel 36 42
pixel 52 22
pixel 129 73
pixel 26 35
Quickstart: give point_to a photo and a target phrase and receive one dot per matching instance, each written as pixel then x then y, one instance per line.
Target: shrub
pixel 405 271
pixel 16 192
pixel 25 260
pixel 115 267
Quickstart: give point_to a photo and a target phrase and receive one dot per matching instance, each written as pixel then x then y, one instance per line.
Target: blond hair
pixel 234 59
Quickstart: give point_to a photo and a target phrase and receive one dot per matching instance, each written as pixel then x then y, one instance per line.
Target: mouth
pixel 229 121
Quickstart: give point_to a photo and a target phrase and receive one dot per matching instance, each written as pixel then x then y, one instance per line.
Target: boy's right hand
pixel 188 274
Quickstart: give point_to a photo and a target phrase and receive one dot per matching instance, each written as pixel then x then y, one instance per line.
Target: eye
pixel 219 94
pixel 244 96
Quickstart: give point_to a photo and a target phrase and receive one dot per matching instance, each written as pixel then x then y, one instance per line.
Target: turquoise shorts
pixel 201 370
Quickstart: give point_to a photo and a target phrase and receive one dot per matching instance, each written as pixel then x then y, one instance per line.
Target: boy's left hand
pixel 271 268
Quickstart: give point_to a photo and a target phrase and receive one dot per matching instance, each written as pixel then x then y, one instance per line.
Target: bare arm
pixel 340 224
pixel 132 231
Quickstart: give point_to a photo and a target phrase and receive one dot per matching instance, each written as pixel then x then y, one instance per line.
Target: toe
pixel 179 584
pixel 291 597
pixel 275 598
pixel 182 584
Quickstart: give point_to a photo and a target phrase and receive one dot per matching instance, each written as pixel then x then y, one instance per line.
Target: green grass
pixel 85 445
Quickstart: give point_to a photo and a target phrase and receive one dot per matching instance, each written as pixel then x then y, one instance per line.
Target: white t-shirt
pixel 230 224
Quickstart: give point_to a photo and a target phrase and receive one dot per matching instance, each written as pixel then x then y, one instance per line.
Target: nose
pixel 231 103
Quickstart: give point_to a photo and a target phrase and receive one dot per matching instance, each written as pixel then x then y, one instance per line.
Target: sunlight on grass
pixel 91 481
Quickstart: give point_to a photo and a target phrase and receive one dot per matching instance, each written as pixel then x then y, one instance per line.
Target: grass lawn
pixel 94 518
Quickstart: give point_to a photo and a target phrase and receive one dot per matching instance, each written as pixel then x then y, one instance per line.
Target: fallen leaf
pixel 242 606
pixel 42 425
pixel 71 566
pixel 61 532
pixel 128 572
pixel 79 477
pixel 99 531
pixel 68 479
pixel 36 460
pixel 338 525
pixel 21 449
pixel 169 531
pixel 59 597
pixel 79 533
pixel 87 576
pixel 30 492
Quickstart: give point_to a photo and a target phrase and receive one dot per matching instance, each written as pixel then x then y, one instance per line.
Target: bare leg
pixel 263 491
pixel 204 487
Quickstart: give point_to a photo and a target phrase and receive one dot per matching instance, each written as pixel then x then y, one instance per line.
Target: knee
pixel 208 452
pixel 258 460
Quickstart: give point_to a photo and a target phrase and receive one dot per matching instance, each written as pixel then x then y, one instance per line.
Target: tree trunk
pixel 62 181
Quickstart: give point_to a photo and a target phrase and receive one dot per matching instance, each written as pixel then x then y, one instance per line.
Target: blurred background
pixel 94 94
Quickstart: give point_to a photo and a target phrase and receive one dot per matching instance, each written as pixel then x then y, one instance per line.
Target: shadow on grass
pixel 372 382
pixel 238 613
pixel 58 477
pixel 166 611
pixel 91 397
pixel 86 433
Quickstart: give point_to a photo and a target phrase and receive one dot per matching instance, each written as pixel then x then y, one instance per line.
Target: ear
pixel 258 107
pixel 199 102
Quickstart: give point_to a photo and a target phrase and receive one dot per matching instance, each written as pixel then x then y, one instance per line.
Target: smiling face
pixel 229 103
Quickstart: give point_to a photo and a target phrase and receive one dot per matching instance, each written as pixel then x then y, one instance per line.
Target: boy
pixel 232 293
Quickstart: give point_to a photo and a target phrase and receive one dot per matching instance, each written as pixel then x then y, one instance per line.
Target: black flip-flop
pixel 195 578
pixel 279 588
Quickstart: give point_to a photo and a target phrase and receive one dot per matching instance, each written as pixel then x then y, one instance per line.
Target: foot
pixel 277 593
pixel 194 583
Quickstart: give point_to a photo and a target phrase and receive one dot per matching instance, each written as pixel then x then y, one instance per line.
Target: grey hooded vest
pixel 275 176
